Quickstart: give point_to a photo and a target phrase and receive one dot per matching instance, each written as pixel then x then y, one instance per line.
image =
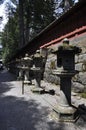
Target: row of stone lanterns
pixel 35 65
pixel 66 62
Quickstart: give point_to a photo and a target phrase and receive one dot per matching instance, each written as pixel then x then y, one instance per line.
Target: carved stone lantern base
pixel 37 90
pixel 64 111
pixel 37 80
pixel 26 78
pixel 65 114
pixel 25 83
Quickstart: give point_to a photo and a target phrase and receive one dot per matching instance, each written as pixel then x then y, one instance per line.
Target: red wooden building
pixel 71 24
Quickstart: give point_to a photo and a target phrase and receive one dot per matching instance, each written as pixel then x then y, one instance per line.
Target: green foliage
pixel 36 15
pixel 10 38
pixel 22 27
pixel 65 4
pixel 39 14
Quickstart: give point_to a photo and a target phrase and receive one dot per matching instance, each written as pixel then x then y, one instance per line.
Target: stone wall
pixel 79 80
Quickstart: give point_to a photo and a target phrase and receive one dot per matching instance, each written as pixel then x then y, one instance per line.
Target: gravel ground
pixel 31 111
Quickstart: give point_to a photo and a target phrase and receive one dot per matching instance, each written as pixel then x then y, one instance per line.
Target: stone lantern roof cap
pixel 69 49
pixel 66 40
pixel 27 57
pixel 37 51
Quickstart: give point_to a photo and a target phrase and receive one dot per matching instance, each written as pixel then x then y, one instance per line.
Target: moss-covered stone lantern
pixel 66 62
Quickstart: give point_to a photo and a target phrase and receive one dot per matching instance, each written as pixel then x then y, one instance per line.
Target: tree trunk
pixel 21 24
pixel 27 31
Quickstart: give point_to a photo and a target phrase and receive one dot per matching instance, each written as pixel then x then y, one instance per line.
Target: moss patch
pixel 83 95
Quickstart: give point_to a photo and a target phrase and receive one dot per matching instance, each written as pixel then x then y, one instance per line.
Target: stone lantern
pixel 19 67
pixel 26 65
pixel 66 63
pixel 37 70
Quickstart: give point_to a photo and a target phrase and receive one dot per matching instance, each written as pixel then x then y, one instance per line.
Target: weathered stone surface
pixel 76 58
pixel 80 42
pixel 57 80
pixel 51 78
pixel 80 61
pixel 82 78
pixel 82 58
pixel 50 65
pixel 77 87
pixel 79 67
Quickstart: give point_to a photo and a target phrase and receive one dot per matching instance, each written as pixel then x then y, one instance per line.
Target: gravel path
pixel 30 111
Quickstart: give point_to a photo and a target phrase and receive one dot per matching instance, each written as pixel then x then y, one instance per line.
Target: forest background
pixel 25 19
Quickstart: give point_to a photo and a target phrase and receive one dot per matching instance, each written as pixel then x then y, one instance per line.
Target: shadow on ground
pixel 4 87
pixel 6 76
pixel 18 114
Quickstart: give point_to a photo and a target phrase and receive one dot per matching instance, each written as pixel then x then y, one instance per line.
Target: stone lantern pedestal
pixel 66 62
